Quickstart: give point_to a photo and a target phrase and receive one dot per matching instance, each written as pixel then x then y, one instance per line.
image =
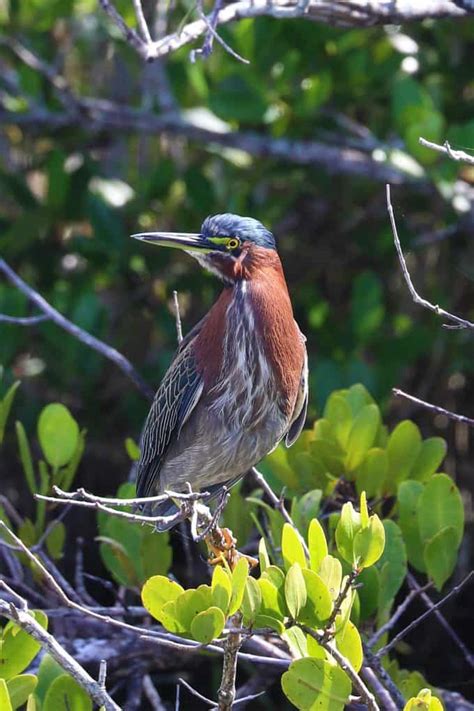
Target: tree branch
pixel 91 341
pixel 458 156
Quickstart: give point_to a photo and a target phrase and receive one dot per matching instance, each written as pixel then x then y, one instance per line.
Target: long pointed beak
pixel 179 240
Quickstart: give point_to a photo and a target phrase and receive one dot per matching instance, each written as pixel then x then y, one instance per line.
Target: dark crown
pixel 244 228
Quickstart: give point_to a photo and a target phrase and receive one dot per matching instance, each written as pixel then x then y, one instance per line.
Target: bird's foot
pixel 222 549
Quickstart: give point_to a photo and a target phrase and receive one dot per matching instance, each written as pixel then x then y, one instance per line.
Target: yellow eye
pixel 233 243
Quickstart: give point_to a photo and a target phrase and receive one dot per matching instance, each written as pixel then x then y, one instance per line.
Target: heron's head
pixel 227 245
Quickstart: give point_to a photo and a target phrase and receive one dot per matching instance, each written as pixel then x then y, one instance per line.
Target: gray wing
pixel 176 398
pixel 298 417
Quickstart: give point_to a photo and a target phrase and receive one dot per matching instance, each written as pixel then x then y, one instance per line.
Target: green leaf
pixel 48 670
pixel 239 577
pixel 392 565
pixel 409 493
pixel 292 548
pixel 403 449
pixel 236 98
pixel 318 607
pixel 367 309
pixel 65 694
pixel 157 591
pixel 221 588
pixel 273 603
pixel 362 436
pixel 330 572
pixel 349 643
pixel 440 505
pixel 132 449
pixel 208 625
pixel 368 590
pixel 55 540
pixel 312 684
pixel 295 590
pixel 156 554
pixel 18 649
pixel 348 526
pixel 424 701
pixel 339 413
pixel 441 555
pixel 272 623
pixel 191 603
pixel 263 556
pixel 19 688
pixel 25 457
pixel 68 472
pixel 317 544
pixel 430 456
pixel 251 601
pixel 369 543
pixel 5 703
pixel 58 433
pixel 296 641
pixel 5 407
pixel 305 508
pixel 171 617
pixel 372 472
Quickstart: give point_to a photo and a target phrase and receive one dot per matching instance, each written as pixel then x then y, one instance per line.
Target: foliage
pixel 48 690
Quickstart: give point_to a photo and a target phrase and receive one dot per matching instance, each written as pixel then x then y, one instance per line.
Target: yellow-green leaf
pixel 208 625
pixel 58 433
pixel 317 544
pixel 17 648
pixel 65 694
pixel 157 591
pixel 316 684
pixel 291 547
pixel 221 588
pixel 239 577
pixel 5 703
pixel 349 643
pixel 295 590
pixel 19 688
pixel 441 555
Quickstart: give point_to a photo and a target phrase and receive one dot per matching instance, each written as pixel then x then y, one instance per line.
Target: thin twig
pixel 433 607
pixel 458 156
pixel 152 694
pixel 23 320
pixel 401 609
pixel 196 693
pixel 79 333
pixel 434 408
pixel 468 656
pixel 129 34
pixel 141 21
pixel 462 323
pixel 372 662
pixel 344 591
pixel 381 692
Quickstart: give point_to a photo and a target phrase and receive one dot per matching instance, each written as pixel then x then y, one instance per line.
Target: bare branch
pixel 468 656
pixel 434 408
pixel 129 34
pixel 435 606
pixel 79 333
pixel 232 644
pixel 142 23
pixel 458 156
pixel 382 694
pixel 23 320
pixel 460 322
pixel 396 615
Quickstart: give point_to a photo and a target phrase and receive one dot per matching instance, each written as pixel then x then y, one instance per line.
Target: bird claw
pixel 221 546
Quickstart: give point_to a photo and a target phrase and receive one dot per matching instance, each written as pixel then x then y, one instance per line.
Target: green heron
pixel 238 383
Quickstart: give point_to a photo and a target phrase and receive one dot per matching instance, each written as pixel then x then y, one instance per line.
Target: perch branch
pixel 232 644
pixel 79 333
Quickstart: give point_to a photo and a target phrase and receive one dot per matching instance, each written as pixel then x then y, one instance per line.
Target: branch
pixel 458 156
pixel 396 615
pixel 23 320
pixel 79 333
pixel 442 620
pixel 434 408
pixel 340 13
pixel 22 617
pixel 460 322
pixel 435 606
pixel 107 116
pixel 232 644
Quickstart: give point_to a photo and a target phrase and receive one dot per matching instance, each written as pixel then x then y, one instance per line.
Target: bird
pixel 238 383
